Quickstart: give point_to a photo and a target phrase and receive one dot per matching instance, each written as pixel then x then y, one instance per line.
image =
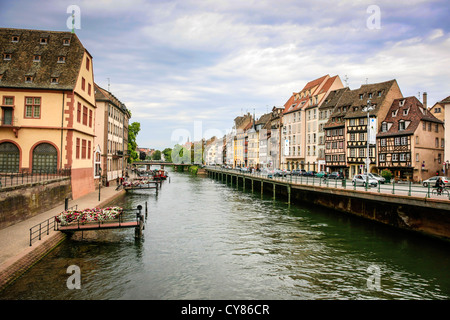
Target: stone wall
pixel 19 203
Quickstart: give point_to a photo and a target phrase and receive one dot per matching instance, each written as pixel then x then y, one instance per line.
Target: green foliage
pixel 167 154
pixel 133 130
pixel 193 169
pixel 156 155
pixel 387 174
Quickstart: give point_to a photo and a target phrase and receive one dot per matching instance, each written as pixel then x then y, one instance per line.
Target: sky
pixel 187 68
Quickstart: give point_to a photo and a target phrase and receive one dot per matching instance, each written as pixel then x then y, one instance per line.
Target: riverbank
pixel 16 254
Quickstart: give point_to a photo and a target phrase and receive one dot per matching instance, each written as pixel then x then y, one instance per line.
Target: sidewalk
pixel 15 240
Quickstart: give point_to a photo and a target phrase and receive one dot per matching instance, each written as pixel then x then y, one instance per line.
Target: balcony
pixel 9 122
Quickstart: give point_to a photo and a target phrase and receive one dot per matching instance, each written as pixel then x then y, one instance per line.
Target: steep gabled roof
pixel 361 96
pixel 23 51
pixel 415 113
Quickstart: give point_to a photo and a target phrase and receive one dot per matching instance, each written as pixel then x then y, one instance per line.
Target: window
pixel 66 42
pixel 352 152
pixel 8 101
pixel 43 40
pixel 61 59
pixel 417 157
pixel 83 149
pixel 89 149
pixel 87 63
pixel 442 143
pixel 402 156
pixel 6 56
pixel 361 96
pixel 83 84
pixel 15 39
pixel 382 157
pixel 404 141
pixel 384 127
pixel 405 112
pixel 79 112
pixel 401 125
pixel 90 118
pixel 424 126
pixel 352 137
pixel 370 95
pixel 54 81
pixel 45 158
pixel 89 89
pixel 36 58
pixel 436 142
pixel 379 93
pixel 383 142
pixel 362 152
pixel 85 115
pixel 397 141
pixel 395 157
pixel 437 110
pixel 436 128
pixel 33 107
pixel 9 157
pixel 28 79
pixel 394 113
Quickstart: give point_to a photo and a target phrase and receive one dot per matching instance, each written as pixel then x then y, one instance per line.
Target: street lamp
pixel 367 109
pixel 99 181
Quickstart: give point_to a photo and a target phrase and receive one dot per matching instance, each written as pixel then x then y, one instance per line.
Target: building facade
pixel 47 105
pixel 411 141
pixel 111 141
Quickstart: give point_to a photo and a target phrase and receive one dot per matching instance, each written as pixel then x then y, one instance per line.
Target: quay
pixel 404 207
pixel 16 254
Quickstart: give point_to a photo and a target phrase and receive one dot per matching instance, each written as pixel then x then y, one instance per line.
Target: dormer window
pixel 405 112
pixel 384 127
pixel 361 96
pixel 36 58
pixel 15 39
pixel 61 59
pixel 394 113
pixel 401 103
pixel 370 95
pixel 43 41
pixel 54 80
pixel 66 42
pixel 379 93
pixel 7 56
pixel 401 125
pixel 28 79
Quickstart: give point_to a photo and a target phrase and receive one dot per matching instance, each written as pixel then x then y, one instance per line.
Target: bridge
pixel 149 163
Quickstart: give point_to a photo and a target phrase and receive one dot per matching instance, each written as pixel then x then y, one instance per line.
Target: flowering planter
pixel 88 215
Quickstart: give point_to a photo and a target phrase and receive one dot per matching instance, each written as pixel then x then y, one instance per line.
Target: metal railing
pixel 121 219
pixel 406 188
pixel 44 227
pixel 11 179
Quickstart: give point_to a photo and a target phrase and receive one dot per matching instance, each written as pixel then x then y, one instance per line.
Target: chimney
pixel 424 100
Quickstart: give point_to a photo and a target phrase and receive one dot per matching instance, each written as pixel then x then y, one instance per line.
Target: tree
pixel 133 130
pixel 156 155
pixel 167 154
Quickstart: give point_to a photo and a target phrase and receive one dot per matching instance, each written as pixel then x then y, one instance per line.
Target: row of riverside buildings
pixel 53 115
pixel 329 127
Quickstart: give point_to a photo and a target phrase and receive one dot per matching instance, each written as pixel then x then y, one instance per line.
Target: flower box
pixel 89 215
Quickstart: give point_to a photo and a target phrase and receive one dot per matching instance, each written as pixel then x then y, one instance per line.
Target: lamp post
pixel 99 181
pixel 367 109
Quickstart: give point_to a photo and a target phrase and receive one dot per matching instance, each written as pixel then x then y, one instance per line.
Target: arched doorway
pixel 45 158
pixel 9 157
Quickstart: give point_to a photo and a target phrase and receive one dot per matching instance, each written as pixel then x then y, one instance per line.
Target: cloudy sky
pixel 189 67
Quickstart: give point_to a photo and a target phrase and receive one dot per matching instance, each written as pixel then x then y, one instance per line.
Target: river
pixel 207 240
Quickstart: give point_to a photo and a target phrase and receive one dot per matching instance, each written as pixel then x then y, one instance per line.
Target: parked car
pixel 377 177
pixel 321 174
pixel 296 172
pixel 432 181
pixel 335 175
pixel 310 173
pixel 279 173
pixel 244 169
pixel 267 172
pixel 361 179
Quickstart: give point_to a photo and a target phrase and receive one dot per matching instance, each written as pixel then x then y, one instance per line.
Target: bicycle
pixel 443 191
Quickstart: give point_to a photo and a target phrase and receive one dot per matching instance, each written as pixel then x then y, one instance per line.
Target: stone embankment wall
pixel 19 203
